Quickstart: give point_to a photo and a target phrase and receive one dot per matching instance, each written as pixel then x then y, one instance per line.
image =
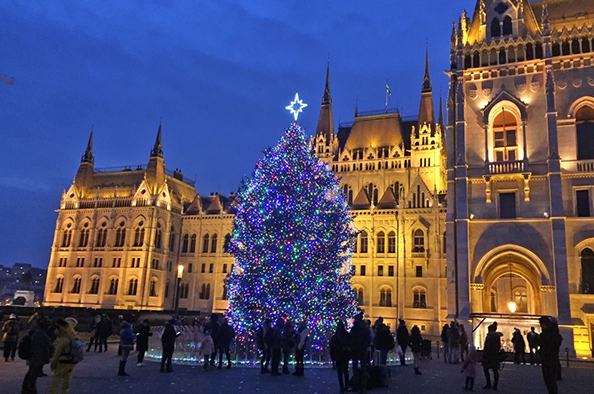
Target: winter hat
pixel 12 316
pixel 72 321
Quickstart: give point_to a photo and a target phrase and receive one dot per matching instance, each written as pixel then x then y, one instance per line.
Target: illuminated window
pixel 418 241
pixel 521 300
pixel 364 241
pixel 584 120
pixel 133 287
pixel 59 285
pixel 419 298
pixel 391 242
pixel 505 137
pixel 94 286
pixel 381 242
pixel 205 242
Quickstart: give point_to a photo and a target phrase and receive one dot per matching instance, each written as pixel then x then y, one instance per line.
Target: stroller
pixel 426 350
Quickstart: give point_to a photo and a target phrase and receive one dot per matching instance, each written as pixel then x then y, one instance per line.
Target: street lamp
pixel 180 273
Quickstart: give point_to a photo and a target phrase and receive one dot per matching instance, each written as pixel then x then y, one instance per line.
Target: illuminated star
pixel 296 106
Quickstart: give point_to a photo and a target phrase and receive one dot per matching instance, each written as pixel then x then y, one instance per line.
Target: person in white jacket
pixel 207 348
pixel 303 334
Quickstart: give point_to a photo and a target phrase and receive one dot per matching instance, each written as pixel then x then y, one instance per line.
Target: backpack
pixel 25 351
pixel 77 351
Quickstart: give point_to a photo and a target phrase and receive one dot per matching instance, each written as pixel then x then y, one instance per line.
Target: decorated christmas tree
pixel 292 242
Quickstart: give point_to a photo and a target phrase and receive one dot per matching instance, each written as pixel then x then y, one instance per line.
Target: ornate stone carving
pixel 577 83
pixel 547 289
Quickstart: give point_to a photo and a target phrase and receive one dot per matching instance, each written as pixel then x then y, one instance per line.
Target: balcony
pixel 506 167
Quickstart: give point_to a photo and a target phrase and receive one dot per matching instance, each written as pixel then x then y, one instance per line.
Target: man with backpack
pixel 66 355
pixel 10 336
pixel 35 347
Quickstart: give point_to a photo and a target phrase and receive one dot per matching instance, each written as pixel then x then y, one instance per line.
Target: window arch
pixel 348 192
pixel 418 241
pixel 158 236
pixel 133 286
pixel 495 28
pixel 67 236
pixel 205 291
pixel 153 288
pixel 363 237
pixel 84 236
pixel 184 290
pixel 205 242
pixel 193 243
pixel 213 243
pixel 381 242
pixel 584 122
pixel 507 26
pixel 227 243
pixel 372 193
pixel 587 260
pixel 76 285
pixel 185 243
pixel 505 136
pixel 120 234
pixel 101 236
pixel 139 234
pixel 419 298
pixel 396 189
pixel 385 296
pixel 359 294
pixel 113 286
pixel 94 286
pixel 171 239
pixel 59 287
pixel 521 299
pixel 391 242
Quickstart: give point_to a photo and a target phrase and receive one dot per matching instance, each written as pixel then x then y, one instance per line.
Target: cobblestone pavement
pixel 97 375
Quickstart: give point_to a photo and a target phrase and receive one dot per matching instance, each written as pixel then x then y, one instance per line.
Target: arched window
pixel 205 291
pixel 171 239
pixel 521 300
pixel 227 243
pixel 213 244
pixel 184 290
pixel 418 241
pixel 385 296
pixel 113 286
pixel 360 295
pixel 67 237
pixel 102 236
pixel 507 26
pixel 348 192
pixel 139 235
pixel 396 189
pixel 372 193
pixel 205 242
pixel 584 121
pixel 587 258
pixel 185 242
pixel 495 28
pixel 167 290
pixel 59 285
pixel 158 236
pixel 120 235
pixel 153 288
pixel 419 298
pixel 224 296
pixel 76 286
pixel 84 237
pixel 193 243
pixel 364 241
pixel 94 286
pixel 493 301
pixel 133 287
pixel 381 242
pixel 505 137
pixel 391 242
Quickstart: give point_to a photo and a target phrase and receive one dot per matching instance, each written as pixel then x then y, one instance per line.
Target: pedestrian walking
pixel 533 339
pixel 10 336
pixel 40 346
pixel 416 345
pixel 226 336
pixel 168 344
pixel 288 344
pixel 301 341
pixel 143 332
pixel 276 345
pixel 61 363
pixel 519 346
pixel 207 348
pixel 469 366
pixel 550 342
pixel 340 352
pixel 491 356
pixel 127 338
pixel 445 340
pixel 94 338
pixel 213 326
pixel 402 337
pixel 359 340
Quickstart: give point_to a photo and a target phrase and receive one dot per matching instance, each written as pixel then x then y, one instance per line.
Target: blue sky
pixel 217 74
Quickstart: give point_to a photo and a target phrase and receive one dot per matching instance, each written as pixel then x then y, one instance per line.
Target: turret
pixel 86 170
pixel 325 140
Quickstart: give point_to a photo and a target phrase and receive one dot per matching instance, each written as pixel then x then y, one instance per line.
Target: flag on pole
pixel 388 91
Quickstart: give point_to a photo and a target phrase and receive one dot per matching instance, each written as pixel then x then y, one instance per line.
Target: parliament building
pixel 481 215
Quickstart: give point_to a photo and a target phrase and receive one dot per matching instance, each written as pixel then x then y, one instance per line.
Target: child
pixel 207 347
pixel 470 367
pixel 416 345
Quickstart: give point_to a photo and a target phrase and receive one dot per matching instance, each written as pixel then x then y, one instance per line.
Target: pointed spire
pixel 87 157
pixel 426 80
pixel 440 119
pixel 426 113
pixel 327 99
pixel 326 119
pixel 158 148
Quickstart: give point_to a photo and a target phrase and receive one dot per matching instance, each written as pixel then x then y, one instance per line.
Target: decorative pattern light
pixel 296 106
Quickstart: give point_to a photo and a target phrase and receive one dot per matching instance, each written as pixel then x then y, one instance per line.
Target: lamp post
pixel 180 273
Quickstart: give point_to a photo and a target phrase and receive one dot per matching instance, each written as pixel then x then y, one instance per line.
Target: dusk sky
pixel 218 74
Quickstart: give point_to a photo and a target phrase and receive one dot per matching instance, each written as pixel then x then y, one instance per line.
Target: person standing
pixel 104 330
pixel 341 355
pixel 469 366
pixel 226 336
pixel 454 343
pixel 288 344
pixel 402 337
pixel 142 337
pixel 276 345
pixel 533 339
pixel 416 345
pixel 491 356
pixel 445 340
pixel 519 346
pixel 463 343
pixel 10 336
pixel 40 355
pixel 384 342
pixel 264 342
pixel 207 348
pixel 550 342
pixel 302 336
pixel 94 338
pixel 61 364
pixel 213 326
pixel 359 341
pixel 168 344
pixel 127 337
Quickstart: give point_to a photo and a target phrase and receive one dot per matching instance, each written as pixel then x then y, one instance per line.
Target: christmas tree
pixel 292 242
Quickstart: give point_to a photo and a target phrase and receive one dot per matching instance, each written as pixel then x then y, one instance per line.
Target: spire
pixel 426 113
pixel 87 157
pixel 440 120
pixel 326 119
pixel 426 80
pixel 158 148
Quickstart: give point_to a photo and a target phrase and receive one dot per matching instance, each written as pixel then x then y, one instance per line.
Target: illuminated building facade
pixel 520 167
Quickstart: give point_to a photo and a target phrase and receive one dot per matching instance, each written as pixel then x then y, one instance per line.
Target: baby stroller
pixel 426 350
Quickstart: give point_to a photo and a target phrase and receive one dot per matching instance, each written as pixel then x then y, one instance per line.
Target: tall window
pixel 113 286
pixel 521 300
pixel 227 243
pixel 171 239
pixel 380 270
pixel 94 286
pixel 166 289
pixel 84 237
pixel 582 199
pixel 158 236
pixel 59 285
pixel 101 236
pixel 381 242
pixel 76 286
pixel 584 121
pixel 505 142
pixel 153 288
pixel 133 287
pixel 185 242
pixel 360 296
pixel 507 205
pixel 205 291
pixel 139 235
pixel 67 237
pixel 184 290
pixel 205 242
pixel 372 193
pixel 418 241
pixel 587 285
pixel 213 244
pixel 391 242
pixel 120 235
pixel 396 189
pixel 348 192
pixel 419 298
pixel 385 297
pixel 224 296
pixel 364 241
pixel 193 243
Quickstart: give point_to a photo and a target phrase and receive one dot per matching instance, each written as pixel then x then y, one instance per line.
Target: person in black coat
pixel 168 344
pixel 226 334
pixel 104 330
pixel 519 347
pixel 276 345
pixel 340 352
pixel 359 341
pixel 213 326
pixel 287 344
pixel 491 359
pixel 533 339
pixel 384 342
pixel 41 345
pixel 550 342
pixel 416 345
pixel 142 337
pixel 403 339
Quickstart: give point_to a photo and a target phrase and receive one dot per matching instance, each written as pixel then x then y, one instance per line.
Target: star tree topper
pixel 296 106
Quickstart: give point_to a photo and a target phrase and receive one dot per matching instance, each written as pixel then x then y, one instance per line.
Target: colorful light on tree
pixel 292 242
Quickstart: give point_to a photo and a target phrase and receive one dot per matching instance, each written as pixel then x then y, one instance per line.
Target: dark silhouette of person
pixel 359 341
pixel 491 356
pixel 340 352
pixel 226 335
pixel 533 340
pixel 213 326
pixel 402 337
pixel 519 347
pixel 168 344
pixel 550 342
pixel 276 345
